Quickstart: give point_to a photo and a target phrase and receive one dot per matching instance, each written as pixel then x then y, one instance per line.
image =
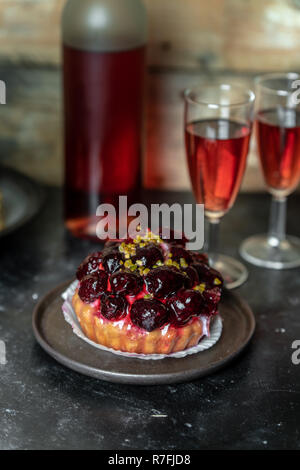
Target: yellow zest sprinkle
pixel 169 262
pixel 183 263
pixel 146 271
pixel 148 296
pixel 217 281
pixel 148 237
pixel 128 263
pixel 170 255
pixel 133 267
pixel 139 262
pixel 200 287
pixel 129 249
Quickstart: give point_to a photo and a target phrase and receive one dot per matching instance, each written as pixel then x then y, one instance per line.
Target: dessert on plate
pixel 146 295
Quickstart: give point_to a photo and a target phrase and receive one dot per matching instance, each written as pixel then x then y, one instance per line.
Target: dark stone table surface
pixel 252 404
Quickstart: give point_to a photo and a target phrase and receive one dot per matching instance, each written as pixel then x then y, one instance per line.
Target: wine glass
pixel 218 124
pixel 277 123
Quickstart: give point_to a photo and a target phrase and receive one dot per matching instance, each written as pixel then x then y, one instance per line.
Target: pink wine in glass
pixel 278 139
pixel 103 118
pixel 217 150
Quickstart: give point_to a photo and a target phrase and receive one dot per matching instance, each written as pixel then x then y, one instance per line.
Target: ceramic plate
pixel 56 337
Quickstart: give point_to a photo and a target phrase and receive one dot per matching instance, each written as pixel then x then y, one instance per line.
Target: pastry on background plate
pixel 146 295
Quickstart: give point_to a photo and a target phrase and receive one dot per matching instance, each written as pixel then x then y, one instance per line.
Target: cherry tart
pixel 147 296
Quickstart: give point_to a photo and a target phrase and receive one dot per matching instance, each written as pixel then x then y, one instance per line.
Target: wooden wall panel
pixel 262 35
pixel 30 30
pixel 189 40
pixel 31 127
pixel 186 33
pixel 165 162
pixel 214 34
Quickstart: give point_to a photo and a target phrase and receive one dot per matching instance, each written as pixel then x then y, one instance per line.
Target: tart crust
pixel 124 336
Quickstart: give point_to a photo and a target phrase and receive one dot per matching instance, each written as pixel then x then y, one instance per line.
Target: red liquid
pixel 278 138
pixel 217 150
pixel 103 98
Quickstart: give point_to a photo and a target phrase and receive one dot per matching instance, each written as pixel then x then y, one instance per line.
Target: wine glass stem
pixel 213 240
pixel 277 227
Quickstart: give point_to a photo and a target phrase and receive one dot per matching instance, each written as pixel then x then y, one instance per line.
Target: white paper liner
pixel 70 316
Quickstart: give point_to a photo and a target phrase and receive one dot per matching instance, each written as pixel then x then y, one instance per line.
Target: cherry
pixel 113 307
pixel 208 275
pixel 126 282
pixel 148 314
pixel 164 281
pixel 112 259
pixel 179 253
pixel 89 265
pixel 192 278
pixel 92 286
pixel 212 298
pixel 148 255
pixel 185 305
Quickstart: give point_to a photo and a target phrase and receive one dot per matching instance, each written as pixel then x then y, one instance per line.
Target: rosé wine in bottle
pixel 104 45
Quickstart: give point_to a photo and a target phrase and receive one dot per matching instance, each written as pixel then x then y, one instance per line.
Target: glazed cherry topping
pixel 92 286
pixel 192 278
pixel 89 265
pixel 212 298
pixel 148 255
pixel 185 305
pixel 112 259
pixel 169 272
pixel 126 282
pixel 178 253
pixel 148 314
pixel 209 276
pixel 113 306
pixel 164 281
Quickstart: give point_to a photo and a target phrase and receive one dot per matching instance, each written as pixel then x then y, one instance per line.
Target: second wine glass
pixel 277 122
pixel 218 124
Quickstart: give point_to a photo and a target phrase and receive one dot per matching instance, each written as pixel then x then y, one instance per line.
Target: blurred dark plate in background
pixel 22 199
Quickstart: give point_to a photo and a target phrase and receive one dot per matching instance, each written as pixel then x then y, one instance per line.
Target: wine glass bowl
pixel 277 125
pixel 218 123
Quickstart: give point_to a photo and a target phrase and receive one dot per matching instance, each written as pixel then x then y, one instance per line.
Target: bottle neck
pixel 104 25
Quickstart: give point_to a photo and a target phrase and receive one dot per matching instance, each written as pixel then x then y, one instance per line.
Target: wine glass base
pixel 234 273
pixel 263 251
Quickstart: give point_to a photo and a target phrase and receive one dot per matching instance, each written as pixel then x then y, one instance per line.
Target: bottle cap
pixel 104 25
